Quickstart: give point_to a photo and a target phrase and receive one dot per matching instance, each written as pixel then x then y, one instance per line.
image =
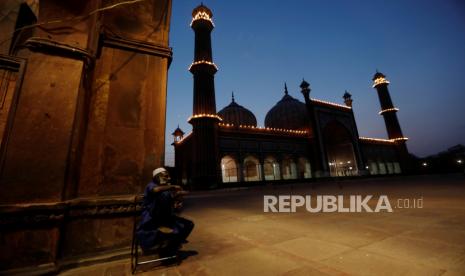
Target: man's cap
pixel 157 171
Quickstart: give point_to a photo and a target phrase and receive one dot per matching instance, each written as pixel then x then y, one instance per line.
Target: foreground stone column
pixel 86 130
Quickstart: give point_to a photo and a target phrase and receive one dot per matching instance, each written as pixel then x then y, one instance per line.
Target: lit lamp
pixel 178 134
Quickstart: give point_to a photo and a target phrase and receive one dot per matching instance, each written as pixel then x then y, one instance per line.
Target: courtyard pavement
pixel 233 236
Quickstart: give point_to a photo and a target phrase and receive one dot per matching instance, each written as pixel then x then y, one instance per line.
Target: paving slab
pixel 312 249
pixel 361 262
pixel 233 236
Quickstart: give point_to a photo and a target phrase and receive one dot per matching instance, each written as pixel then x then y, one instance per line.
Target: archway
pixel 339 150
pixel 304 168
pixel 252 169
pixel 289 168
pixel 373 167
pixel 229 169
pixel 271 169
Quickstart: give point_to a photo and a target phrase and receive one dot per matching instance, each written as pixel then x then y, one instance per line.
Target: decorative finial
pixel 232 96
pixel 285 88
pixel 304 84
pixel 177 133
pixel 346 95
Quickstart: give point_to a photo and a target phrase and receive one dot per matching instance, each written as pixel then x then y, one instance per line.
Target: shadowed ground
pixel 233 236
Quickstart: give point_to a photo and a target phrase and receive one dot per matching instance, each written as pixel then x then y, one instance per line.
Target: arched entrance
pixel 339 150
pixel 252 169
pixel 229 169
pixel 271 168
pixel 289 168
pixel 304 168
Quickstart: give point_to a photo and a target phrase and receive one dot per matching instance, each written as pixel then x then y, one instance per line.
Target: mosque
pixel 300 140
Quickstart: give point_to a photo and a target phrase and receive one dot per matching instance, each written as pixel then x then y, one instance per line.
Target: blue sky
pixel 335 46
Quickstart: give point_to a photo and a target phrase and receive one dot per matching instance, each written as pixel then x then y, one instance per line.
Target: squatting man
pixel 159 224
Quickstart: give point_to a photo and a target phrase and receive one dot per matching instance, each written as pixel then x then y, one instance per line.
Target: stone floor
pixel 233 236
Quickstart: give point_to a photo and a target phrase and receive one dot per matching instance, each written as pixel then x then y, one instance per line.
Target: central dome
pixel 288 113
pixel 237 114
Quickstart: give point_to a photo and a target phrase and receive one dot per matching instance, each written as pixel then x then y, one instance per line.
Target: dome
pixel 288 113
pixel 237 114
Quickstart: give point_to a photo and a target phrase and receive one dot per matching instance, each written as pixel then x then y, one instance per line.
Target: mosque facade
pixel 300 140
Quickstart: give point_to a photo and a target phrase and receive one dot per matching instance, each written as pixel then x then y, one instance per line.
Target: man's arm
pixel 163 188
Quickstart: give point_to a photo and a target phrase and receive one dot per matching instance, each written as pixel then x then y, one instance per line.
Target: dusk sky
pixel 335 46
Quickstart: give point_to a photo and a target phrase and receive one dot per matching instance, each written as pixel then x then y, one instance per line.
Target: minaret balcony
pixel 379 81
pixel 394 109
pixel 204 116
pixel 203 65
pixel 202 19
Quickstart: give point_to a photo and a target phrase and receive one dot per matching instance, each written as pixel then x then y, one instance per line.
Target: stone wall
pixel 86 132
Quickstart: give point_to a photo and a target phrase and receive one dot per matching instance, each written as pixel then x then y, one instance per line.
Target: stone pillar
pixel 86 132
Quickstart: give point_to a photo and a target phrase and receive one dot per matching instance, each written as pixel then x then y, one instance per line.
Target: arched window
pixel 304 168
pixel 252 169
pixel 271 168
pixel 228 169
pixel 373 167
pixel 289 169
pixel 397 168
pixel 390 167
pixel 382 167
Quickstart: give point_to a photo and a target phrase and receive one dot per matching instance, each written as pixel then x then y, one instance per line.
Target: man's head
pixel 161 176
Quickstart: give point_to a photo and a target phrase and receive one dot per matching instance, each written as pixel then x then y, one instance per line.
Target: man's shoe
pixel 165 230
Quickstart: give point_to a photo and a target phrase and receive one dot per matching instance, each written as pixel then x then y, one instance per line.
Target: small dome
pixel 178 132
pixel 288 113
pixel 237 114
pixel 346 95
pixel 378 75
pixel 203 9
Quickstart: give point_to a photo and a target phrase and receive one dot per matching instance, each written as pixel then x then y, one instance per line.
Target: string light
pixel 203 62
pixel 196 116
pixel 72 18
pixel 333 104
pixel 183 139
pixel 388 110
pixel 202 15
pixel 225 125
pixel 379 81
pixel 267 129
pixel 384 140
pixel 376 140
pixel 400 139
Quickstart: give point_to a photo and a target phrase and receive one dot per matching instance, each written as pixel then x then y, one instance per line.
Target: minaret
pixel 388 111
pixel 319 157
pixel 204 120
pixel 178 135
pixel 387 108
pixel 347 99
